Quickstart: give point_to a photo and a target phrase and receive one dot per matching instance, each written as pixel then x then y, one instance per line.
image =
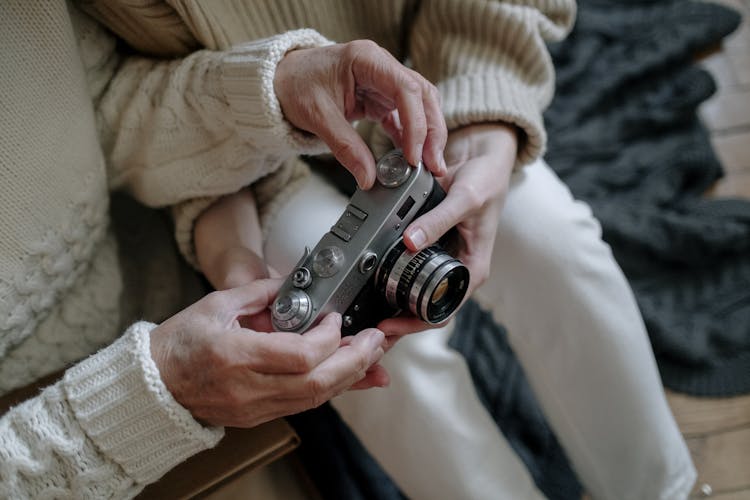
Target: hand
pixel 322 89
pixel 227 375
pixel 480 160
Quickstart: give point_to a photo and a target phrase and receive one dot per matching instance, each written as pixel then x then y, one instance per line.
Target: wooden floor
pixel 718 430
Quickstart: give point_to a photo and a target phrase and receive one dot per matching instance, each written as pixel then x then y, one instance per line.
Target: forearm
pixel 229 243
pixel 107 429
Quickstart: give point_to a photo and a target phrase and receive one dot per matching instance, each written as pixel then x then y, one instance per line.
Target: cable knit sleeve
pixel 490 62
pixel 201 126
pixel 106 430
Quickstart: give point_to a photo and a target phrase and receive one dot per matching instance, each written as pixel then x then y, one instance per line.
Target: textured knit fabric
pixel 80 120
pixel 487 58
pixel 624 135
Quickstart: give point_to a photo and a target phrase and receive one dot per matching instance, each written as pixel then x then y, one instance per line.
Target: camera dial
pixel 393 169
pixel 302 278
pixel 328 261
pixel 292 309
pixel 362 269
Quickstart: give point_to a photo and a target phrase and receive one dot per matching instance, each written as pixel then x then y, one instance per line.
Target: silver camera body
pixel 361 267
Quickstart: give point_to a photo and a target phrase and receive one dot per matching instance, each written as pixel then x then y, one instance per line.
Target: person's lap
pixel 572 322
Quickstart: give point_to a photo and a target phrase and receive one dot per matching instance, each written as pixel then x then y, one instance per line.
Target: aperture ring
pixel 426 275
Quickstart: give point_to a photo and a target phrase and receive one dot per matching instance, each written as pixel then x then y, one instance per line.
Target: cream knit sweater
pixel 79 120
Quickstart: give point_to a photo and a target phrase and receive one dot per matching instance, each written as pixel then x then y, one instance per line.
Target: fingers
pixel 322 89
pixel 459 203
pixel 403 325
pixel 248 299
pixel 260 322
pixel 290 353
pixel 392 126
pixel 423 127
pixel 337 373
pixel 414 122
pixel 437 131
pixel 345 143
pixel 376 376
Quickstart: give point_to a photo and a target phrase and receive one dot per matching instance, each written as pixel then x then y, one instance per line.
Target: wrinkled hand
pixel 321 90
pixel 480 160
pixel 227 375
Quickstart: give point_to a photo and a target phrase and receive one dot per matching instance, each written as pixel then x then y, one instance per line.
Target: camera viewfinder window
pixel 405 208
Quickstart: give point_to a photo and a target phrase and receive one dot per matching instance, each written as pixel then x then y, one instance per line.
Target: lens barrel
pixel 431 283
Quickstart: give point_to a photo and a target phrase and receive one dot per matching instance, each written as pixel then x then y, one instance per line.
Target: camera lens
pixel 439 291
pixel 431 284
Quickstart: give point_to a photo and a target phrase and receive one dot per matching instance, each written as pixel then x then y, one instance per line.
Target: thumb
pixel 253 298
pixel 428 228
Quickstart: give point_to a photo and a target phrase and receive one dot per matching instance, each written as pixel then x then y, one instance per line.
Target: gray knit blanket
pixel 625 137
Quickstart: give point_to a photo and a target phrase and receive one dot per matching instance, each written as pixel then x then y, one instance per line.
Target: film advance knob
pixel 393 170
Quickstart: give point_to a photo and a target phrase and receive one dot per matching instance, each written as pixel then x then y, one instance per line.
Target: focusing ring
pixel 411 276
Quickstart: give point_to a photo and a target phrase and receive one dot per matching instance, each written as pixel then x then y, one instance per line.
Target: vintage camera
pixel 362 268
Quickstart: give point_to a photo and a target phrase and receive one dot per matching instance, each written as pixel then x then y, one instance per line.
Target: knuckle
pixel 356 48
pixel 471 196
pixel 318 390
pixel 362 364
pixel 346 151
pixel 432 92
pixel 301 361
pixel 369 45
pixel 213 300
pixel 411 86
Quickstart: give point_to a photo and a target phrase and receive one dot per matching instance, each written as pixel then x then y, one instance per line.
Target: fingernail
pixel 336 319
pixel 376 355
pixel 365 184
pixel 417 237
pixel 376 338
pixel 419 152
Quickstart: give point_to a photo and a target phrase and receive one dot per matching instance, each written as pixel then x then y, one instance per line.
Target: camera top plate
pixel 348 255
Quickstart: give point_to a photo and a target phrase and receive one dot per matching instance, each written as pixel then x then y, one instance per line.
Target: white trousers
pixel 574 325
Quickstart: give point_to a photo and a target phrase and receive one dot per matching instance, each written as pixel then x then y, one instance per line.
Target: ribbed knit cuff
pixel 247 74
pixel 486 98
pixel 122 404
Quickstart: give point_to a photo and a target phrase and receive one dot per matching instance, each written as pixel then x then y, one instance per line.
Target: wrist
pixel 490 137
pixel 495 142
